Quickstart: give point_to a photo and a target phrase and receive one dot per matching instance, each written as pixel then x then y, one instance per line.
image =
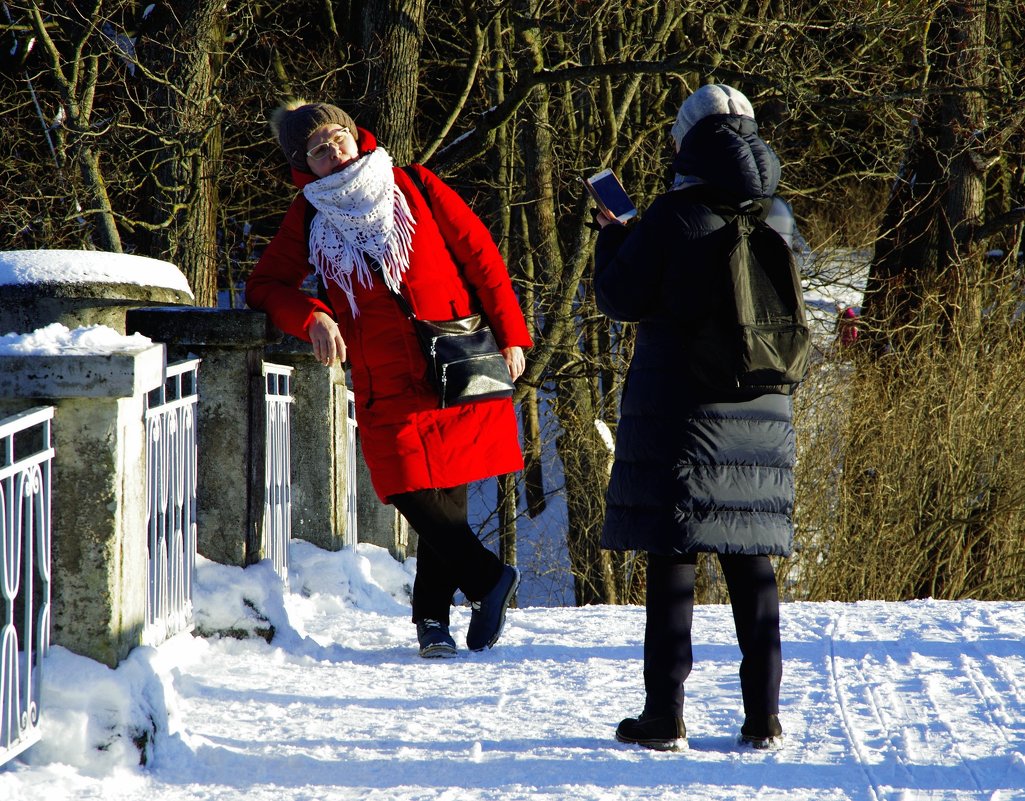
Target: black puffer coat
pixel 691 474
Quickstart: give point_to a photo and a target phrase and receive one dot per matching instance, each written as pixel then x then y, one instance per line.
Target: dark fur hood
pixel 725 151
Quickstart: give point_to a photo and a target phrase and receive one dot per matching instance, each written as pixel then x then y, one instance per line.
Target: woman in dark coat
pixel 695 472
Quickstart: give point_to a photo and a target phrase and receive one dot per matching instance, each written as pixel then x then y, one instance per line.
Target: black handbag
pixel 464 363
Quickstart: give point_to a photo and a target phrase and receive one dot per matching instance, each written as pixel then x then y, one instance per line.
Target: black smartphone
pixel 610 196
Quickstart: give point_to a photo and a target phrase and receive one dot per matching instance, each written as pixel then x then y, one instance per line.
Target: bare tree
pixel 74 72
pixel 183 56
pixel 929 262
pixel 392 32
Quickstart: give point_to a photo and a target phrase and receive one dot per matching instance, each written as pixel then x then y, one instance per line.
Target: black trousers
pixel 449 556
pixel 668 656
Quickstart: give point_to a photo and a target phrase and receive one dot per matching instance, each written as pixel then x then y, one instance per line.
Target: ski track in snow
pixel 915 714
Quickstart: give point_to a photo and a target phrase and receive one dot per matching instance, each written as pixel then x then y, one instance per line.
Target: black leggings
pixel 449 556
pixel 668 657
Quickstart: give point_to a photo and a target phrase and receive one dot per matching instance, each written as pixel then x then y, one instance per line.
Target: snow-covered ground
pixel 895 701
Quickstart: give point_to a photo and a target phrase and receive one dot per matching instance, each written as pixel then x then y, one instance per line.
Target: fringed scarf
pixel 363 221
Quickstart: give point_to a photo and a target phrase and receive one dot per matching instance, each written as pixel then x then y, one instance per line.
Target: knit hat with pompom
pixel 294 121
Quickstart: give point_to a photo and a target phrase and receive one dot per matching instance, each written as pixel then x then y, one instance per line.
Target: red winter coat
pixel 408 442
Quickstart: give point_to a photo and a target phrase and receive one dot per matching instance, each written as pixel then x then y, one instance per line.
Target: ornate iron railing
pixel 277 485
pixel 351 523
pixel 26 457
pixel 171 501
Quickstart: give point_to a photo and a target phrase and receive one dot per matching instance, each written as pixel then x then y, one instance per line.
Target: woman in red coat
pixel 374 232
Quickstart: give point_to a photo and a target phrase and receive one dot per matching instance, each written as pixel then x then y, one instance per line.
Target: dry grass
pixel 911 473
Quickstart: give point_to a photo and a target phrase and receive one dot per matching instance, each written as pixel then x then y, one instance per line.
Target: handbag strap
pixel 418 182
pixel 414 176
pixel 403 304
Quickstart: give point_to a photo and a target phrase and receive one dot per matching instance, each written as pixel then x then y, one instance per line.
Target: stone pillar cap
pixel 75 270
pixel 89 362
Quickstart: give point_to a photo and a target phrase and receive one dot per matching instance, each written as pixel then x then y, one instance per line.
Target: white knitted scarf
pixel 363 221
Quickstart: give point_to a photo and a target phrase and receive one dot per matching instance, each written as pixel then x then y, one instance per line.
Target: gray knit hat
pixel 294 121
pixel 710 99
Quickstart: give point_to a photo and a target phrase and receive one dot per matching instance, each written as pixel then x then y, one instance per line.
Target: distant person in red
pixel 847 327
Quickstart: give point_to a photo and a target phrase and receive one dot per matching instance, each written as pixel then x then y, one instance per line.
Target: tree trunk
pixel 962 62
pixel 507 518
pixel 579 442
pixel 392 36
pixel 501 214
pixel 925 292
pixel 585 465
pixel 926 267
pixel 77 89
pixel 103 226
pixel 186 199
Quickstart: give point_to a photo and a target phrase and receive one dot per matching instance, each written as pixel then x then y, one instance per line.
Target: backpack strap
pixel 728 206
pixel 414 176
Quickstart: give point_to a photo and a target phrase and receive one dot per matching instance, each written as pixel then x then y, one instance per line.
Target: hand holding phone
pixel 610 196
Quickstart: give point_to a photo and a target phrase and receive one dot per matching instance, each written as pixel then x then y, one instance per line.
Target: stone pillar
pixel 320 441
pixel 230 420
pixel 100 550
pixel 380 523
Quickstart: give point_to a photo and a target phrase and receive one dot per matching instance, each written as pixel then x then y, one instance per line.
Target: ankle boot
pixel 762 732
pixel 660 733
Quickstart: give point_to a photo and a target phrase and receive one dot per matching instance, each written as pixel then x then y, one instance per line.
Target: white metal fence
pixel 26 457
pixel 277 495
pixel 351 530
pixel 171 501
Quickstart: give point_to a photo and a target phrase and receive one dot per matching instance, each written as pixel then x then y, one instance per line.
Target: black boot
pixel 660 733
pixel 435 641
pixel 488 616
pixel 762 732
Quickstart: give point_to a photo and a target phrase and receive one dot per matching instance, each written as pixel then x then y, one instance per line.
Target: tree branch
pixel 472 143
pixel 980 233
pixel 473 64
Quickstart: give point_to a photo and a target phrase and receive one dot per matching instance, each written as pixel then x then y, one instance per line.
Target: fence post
pixel 99 502
pixel 277 483
pixel 171 501
pixel 321 477
pixel 230 420
pixel 83 287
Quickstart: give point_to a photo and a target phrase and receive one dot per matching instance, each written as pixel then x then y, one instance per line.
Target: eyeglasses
pixel 333 142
